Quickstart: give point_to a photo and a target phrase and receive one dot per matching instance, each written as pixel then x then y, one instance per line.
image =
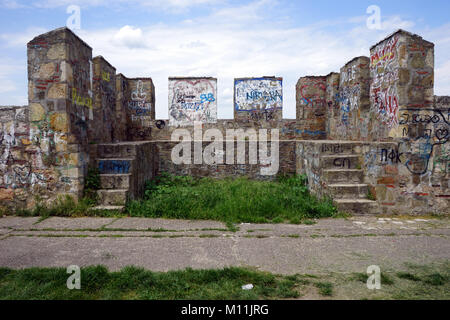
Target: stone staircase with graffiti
pixel 124 168
pixel 343 177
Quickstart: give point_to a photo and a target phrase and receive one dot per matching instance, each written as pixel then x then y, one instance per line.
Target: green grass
pixel 231 200
pixel 137 283
pixel 325 288
pixel 418 282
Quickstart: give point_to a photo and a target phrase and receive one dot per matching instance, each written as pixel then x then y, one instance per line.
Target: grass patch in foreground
pixel 417 282
pixel 137 283
pixel 231 200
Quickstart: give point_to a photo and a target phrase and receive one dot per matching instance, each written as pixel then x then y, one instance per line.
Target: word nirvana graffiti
pixel 258 94
pixel 192 99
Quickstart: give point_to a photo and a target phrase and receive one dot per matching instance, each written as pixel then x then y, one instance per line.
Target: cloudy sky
pixel 220 38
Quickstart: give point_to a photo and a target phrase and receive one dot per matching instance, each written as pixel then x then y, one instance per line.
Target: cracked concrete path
pixel 329 245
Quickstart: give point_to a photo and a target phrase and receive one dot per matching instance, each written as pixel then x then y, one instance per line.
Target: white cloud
pixel 172 5
pixel 130 37
pixel 21 39
pixel 237 42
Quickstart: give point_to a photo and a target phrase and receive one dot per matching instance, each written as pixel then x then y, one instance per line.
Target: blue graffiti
pixel 114 166
pixel 207 98
pixel 192 106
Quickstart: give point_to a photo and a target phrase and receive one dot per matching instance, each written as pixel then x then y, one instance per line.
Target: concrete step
pixel 340 162
pixel 343 175
pixel 357 206
pixel 348 191
pixel 115 165
pixel 117 150
pixel 115 181
pixel 116 197
pixel 341 148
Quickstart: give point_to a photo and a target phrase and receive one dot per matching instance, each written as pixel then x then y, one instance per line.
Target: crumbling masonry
pixel 373 136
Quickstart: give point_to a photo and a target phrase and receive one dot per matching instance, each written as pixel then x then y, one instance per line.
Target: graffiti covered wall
pixel 192 99
pixel 312 107
pixel 258 99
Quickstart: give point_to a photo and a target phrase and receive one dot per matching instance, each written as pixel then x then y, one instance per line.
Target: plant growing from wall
pixel 92 184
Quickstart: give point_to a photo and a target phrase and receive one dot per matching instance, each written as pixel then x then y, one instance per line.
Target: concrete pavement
pixel 330 245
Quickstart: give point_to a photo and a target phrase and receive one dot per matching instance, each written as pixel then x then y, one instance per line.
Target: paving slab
pixel 73 223
pixel 278 255
pixel 331 245
pixel 168 224
pixel 17 222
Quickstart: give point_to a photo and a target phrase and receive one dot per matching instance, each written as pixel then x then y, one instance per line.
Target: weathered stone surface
pixel 387 132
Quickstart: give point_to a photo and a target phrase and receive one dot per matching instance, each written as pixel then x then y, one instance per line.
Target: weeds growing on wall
pixel 232 200
pixel 63 206
pixel 92 184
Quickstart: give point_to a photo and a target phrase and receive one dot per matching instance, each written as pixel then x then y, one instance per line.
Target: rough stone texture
pixel 373 136
pixel 332 245
pixel 192 99
pixel 100 128
pixel 257 99
pixel 402 77
pixel 352 121
pixel 312 107
pixel 140 106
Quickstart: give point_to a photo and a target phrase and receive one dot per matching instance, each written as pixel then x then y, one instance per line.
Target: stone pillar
pixel 258 99
pixel 122 117
pixel 312 107
pixel 332 96
pixel 140 104
pixel 402 77
pixel 101 127
pixel 191 100
pixel 60 94
pixel 353 101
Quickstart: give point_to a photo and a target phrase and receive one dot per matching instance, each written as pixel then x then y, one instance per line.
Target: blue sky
pixel 220 38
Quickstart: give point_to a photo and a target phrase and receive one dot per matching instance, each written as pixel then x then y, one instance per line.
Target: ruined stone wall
pixel 312 107
pixel 101 126
pixel 140 107
pixel 402 76
pixel 16 155
pixel 396 130
pixel 258 99
pixel 350 118
pixel 192 99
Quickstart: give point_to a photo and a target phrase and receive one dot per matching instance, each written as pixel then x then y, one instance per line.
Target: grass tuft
pixel 231 200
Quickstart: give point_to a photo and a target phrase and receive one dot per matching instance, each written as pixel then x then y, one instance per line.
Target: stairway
pixel 124 168
pixel 343 177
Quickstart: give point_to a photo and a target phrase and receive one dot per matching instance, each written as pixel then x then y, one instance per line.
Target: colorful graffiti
pixel 384 72
pixel 258 94
pixel 192 99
